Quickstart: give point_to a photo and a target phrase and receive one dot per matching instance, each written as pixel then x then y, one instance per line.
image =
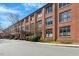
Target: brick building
pixel 54 21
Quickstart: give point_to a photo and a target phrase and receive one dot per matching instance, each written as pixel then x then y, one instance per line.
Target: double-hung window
pixel 65 31
pixel 39 25
pixel 65 16
pixel 49 21
pixel 63 4
pixel 49 33
pixel 32 26
pixel 26 27
pixel 39 15
pixel 49 9
pixel 32 17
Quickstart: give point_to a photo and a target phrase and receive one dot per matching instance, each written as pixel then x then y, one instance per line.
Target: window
pixel 49 33
pixel 63 4
pixel 26 27
pixel 49 9
pixel 39 15
pixel 32 26
pixel 48 21
pixel 26 20
pixel 23 28
pixel 65 31
pixel 19 28
pixel 32 17
pixel 39 25
pixel 38 19
pixel 65 16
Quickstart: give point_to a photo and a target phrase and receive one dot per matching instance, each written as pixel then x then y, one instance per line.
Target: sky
pixel 22 9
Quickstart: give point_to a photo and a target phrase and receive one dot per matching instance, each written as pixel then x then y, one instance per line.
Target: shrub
pixel 27 38
pixel 36 38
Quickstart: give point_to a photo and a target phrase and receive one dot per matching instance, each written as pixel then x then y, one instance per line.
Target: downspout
pixel 56 21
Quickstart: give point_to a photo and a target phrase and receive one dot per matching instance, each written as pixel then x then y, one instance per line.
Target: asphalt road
pixel 25 48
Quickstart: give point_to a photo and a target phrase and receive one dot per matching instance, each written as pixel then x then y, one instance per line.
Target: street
pixel 25 48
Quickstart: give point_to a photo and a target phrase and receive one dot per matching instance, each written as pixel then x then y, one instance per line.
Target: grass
pixel 55 42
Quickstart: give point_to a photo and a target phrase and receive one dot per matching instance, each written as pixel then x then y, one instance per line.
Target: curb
pixel 62 45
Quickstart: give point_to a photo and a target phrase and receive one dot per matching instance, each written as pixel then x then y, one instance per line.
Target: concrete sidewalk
pixel 62 45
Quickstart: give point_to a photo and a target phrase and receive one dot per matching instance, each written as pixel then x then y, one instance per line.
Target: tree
pixel 1 30
pixel 13 18
pixel 15 21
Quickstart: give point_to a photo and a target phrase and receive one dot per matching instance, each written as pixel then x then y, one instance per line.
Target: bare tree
pixel 1 30
pixel 15 21
pixel 13 18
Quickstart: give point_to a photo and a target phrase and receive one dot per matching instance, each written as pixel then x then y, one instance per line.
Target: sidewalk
pixel 62 45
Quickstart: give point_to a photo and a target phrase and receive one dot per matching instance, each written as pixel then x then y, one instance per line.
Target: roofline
pixel 29 15
pixel 36 10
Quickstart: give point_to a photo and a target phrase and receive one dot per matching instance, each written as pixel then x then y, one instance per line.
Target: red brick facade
pixel 30 22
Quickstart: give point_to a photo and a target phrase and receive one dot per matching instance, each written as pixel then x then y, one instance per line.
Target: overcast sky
pixel 23 9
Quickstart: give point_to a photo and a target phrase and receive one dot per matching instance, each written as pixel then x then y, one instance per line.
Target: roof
pixel 30 14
